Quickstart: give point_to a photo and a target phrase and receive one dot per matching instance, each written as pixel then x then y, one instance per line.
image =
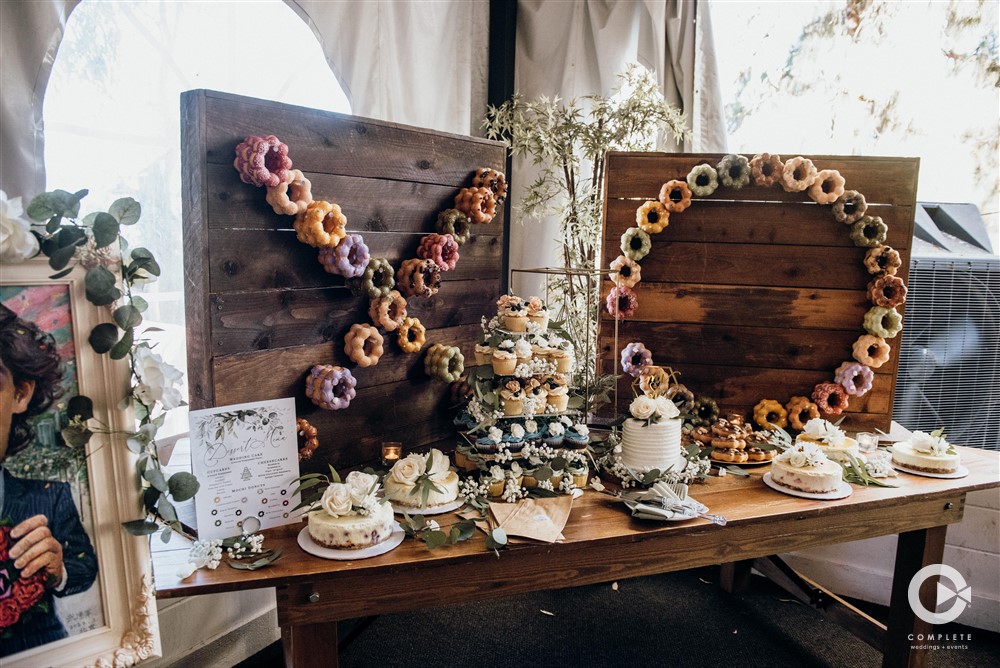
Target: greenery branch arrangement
pixel 568 142
pixel 94 242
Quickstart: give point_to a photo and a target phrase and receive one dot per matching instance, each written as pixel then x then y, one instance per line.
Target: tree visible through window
pixel 869 77
pixel 112 112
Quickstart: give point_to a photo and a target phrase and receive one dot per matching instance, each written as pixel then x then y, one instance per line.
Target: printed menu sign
pixel 245 457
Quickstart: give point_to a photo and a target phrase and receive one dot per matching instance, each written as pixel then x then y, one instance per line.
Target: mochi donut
pixel 262 161
pixel 419 278
pixel 330 387
pixel 872 351
pixel 798 174
pixel 652 217
pixel 363 344
pixel 477 203
pixel 765 169
pixel 292 196
pixel 487 177
pixel 855 378
pixel 828 187
pixel 321 224
pixel 349 258
pixel 850 207
pixel 442 249
pixel 675 196
pixel 830 398
pixel 887 291
pixel 703 180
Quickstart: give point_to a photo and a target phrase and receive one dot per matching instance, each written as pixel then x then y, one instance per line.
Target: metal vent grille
pixel 949 363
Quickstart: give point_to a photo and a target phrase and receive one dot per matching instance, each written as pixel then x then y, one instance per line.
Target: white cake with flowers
pixel 930 453
pixel 830 438
pixel 804 467
pixel 350 515
pixel 422 481
pixel 651 438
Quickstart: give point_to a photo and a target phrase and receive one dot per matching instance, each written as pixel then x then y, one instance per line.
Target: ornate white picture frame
pixel 125 631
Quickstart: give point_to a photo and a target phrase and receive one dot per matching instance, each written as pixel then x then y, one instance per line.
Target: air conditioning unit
pixel 949 363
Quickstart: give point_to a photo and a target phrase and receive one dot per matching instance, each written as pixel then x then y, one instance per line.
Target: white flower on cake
pixel 930 444
pixel 337 499
pixel 494 434
pixel 556 429
pixel 506 344
pixel 515 470
pixel 496 472
pixel 407 470
pixel 582 430
pixel 566 421
pixel 522 348
pixel 439 462
pixel 531 426
pixel 17 243
pixel 642 407
pixel 666 408
pixel 803 454
pixel 824 431
pixel 362 486
pixel 517 431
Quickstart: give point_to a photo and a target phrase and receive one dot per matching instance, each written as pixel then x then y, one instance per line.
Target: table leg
pixel 735 576
pixel 914 550
pixel 308 645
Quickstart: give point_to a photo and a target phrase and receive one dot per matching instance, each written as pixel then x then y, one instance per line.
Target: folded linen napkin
pixel 663 502
pixel 537 519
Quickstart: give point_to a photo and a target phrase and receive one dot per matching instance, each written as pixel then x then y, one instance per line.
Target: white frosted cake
pixel 831 439
pixel 351 532
pixel 350 515
pixel 930 453
pixel 805 468
pixel 656 446
pixel 410 478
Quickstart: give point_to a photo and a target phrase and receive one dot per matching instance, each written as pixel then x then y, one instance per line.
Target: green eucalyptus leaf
pixel 496 539
pixel 139 303
pixel 434 538
pixel 76 436
pixel 103 337
pixel 183 486
pixel 127 316
pixel 60 257
pixel 166 533
pixel 100 286
pixel 106 230
pixel 140 527
pixel 59 274
pixel 166 509
pixel 44 206
pixel 126 210
pixel 155 478
pixel 53 225
pixel 80 406
pixel 149 498
pixel 124 346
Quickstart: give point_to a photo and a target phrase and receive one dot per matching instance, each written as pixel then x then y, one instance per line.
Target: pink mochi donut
pixel 330 387
pixel 349 258
pixel 262 161
pixel 856 378
pixel 441 248
pixel 621 303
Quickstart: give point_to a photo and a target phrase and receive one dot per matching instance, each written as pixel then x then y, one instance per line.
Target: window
pixel 878 78
pixel 112 113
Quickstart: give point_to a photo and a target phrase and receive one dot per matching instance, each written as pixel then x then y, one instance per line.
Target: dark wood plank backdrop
pixel 260 308
pixel 755 293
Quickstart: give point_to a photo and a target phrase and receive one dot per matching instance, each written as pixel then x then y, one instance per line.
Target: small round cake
pixel 805 468
pixel 351 532
pixel 930 453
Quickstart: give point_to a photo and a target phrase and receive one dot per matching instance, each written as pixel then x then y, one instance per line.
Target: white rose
pixel 642 408
pixel 531 426
pixel 496 472
pixel 566 421
pixel 337 499
pixel 157 380
pixel 928 443
pixel 495 434
pixel 816 428
pixel 797 458
pixel 17 243
pixel 517 431
pixel 582 430
pixel 408 469
pixel 556 429
pixel 439 462
pixel 515 469
pixel 522 348
pixel 361 485
pixel 666 408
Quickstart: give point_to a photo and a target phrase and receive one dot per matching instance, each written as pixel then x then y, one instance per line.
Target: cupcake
pixel 577 437
pixel 562 358
pixel 484 354
pixel 490 442
pixel 515 318
pixel 504 362
pixel 514 439
pixel 580 472
pixel 554 435
pixel 497 481
pixel 558 399
pixel 538 313
pixel 512 399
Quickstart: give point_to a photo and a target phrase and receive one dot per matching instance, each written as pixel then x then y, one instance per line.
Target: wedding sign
pixel 246 457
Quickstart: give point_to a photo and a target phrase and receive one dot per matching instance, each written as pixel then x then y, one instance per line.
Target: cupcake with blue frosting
pixel 577 436
pixel 490 442
pixel 555 434
pixel 514 439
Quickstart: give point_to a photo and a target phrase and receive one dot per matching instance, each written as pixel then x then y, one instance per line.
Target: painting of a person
pixel 47 534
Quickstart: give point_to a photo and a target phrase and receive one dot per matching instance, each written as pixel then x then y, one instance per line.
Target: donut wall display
pixel 322 248
pixel 763 278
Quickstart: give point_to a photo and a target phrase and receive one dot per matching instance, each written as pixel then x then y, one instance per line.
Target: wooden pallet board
pixel 261 311
pixel 754 293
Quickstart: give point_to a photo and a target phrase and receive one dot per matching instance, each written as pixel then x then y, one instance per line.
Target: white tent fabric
pixel 572 49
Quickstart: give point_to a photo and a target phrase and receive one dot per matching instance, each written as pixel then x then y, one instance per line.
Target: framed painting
pixel 101 610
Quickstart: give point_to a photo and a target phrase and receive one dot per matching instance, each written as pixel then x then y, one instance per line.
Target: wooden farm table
pixel 603 544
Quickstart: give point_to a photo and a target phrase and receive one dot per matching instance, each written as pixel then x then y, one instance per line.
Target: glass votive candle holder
pixel 392 451
pixel 867 441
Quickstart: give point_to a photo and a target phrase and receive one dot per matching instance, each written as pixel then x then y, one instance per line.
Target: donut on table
pixel 765 169
pixel 419 278
pixel 363 344
pixel 830 398
pixel 330 387
pixel 262 161
pixel 872 351
pixel 321 224
pixel 675 196
pixel 798 174
pixel 869 232
pixel 800 410
pixel 828 187
pixel 703 180
pixel 291 196
pixel 455 223
pixel 636 244
pixel 477 203
pixel 625 272
pixel 884 322
pixel 652 217
pixel 487 177
pixel 411 335
pixel 888 291
pixel 883 260
pixel 734 171
pixel 349 258
pixel 850 207
pixel 855 378
pixel 731 455
pixel 759 455
pixel 388 312
pixel 621 303
pixel 769 414
pixel 442 249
